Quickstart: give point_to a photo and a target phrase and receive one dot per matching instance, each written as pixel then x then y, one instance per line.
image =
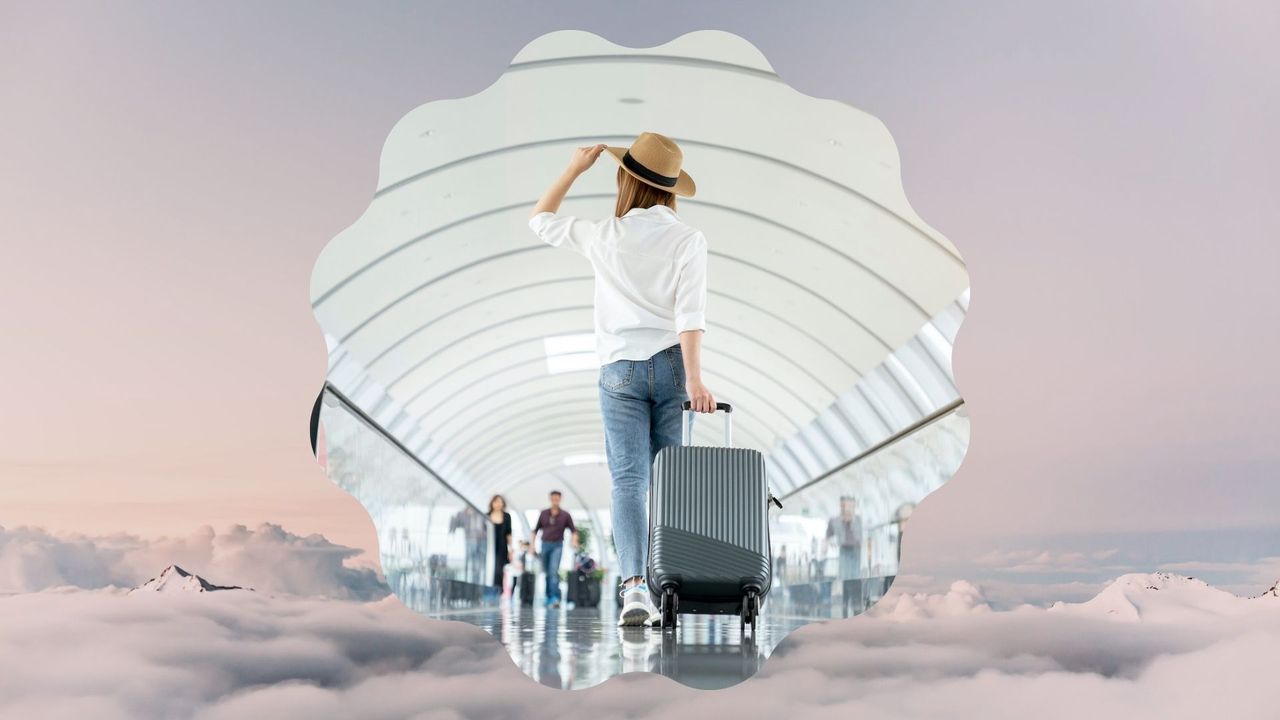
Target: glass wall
pixel 837 542
pixel 436 549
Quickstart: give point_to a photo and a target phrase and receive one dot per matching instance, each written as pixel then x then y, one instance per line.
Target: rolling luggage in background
pixel 709 547
pixel 584 590
pixel 527 581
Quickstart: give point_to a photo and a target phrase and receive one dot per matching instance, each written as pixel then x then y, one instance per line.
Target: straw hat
pixel 655 160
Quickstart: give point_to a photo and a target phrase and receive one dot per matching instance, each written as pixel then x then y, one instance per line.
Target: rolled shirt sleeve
pixel 568 231
pixel 691 289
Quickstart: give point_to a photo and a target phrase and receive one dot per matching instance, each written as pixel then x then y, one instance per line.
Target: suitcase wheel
pixel 670 603
pixel 750 612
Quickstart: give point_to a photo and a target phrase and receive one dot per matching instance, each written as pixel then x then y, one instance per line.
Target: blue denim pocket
pixel 675 358
pixel 617 374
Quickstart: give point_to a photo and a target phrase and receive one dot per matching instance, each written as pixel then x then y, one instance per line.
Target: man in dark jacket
pixel 553 522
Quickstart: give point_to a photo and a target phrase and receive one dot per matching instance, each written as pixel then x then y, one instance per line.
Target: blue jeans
pixel 640 401
pixel 551 552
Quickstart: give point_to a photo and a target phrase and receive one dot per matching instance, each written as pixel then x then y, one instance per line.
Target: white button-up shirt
pixel 650 277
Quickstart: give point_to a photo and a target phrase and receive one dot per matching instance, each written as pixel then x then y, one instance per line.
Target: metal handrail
pixel 895 437
pixel 378 429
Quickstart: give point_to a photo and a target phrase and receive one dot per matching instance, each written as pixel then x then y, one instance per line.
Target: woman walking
pixel 650 304
pixel 501 521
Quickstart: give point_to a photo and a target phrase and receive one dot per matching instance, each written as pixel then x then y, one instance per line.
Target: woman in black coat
pixel 501 520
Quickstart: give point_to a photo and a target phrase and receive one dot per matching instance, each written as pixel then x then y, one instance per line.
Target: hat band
pixel 634 166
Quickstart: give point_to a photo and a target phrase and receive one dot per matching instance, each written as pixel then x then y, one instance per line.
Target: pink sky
pixel 170 174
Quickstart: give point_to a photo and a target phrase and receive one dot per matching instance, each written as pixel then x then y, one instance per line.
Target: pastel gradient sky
pixel 170 173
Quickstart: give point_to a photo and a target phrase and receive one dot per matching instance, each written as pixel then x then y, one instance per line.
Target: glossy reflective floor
pixel 581 647
pixel 573 648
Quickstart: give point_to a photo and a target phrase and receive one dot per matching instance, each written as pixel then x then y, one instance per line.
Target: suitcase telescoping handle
pixel 686 432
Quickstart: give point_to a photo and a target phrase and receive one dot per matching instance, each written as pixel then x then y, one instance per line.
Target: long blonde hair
pixel 634 194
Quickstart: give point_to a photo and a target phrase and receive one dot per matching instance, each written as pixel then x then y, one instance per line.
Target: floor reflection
pixel 581 647
pixel 578 647
pixel 573 648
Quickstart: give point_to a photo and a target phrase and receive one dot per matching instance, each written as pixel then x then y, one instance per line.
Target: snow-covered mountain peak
pixel 1160 581
pixel 174 579
pixel 1157 597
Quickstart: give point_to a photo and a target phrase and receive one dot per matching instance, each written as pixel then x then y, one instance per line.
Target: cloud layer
pixel 268 558
pixel 109 654
pixel 75 653
pixel 73 644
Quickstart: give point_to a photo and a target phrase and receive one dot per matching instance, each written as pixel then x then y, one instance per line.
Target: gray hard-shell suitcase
pixel 709 547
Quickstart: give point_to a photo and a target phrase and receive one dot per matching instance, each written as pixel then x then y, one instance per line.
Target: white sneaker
pixel 637 607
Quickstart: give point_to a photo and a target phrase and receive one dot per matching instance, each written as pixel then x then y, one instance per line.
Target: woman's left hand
pixel 700 398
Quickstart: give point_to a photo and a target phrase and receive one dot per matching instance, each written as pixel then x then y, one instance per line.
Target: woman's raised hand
pixel 584 157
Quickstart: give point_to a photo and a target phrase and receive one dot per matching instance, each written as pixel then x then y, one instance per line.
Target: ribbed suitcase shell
pixel 709 527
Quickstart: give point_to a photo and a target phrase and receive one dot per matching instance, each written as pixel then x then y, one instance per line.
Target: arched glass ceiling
pixel 832 304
